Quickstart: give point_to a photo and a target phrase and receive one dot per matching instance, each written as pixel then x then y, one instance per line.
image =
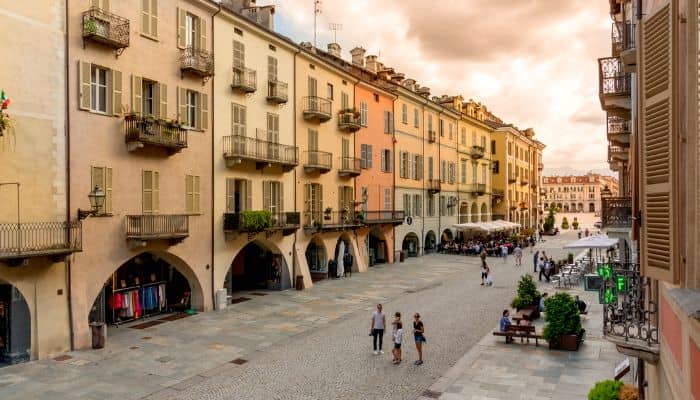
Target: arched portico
pixel 317 258
pixel 379 251
pixel 484 212
pixel 411 244
pixel 430 243
pixel 15 325
pixel 259 265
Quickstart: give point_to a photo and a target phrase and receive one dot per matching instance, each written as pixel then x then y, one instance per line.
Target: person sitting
pixel 504 323
pixel 581 306
pixel 544 296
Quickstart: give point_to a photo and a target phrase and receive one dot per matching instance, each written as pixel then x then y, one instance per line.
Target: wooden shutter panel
pixel 97 179
pixel 136 94
pixel 84 77
pixel 202 34
pixel 320 197
pixel 197 195
pixel 146 17
pixel 116 92
pixel 154 18
pixel 230 195
pixel 281 195
pixel 203 111
pixel 189 194
pixel 181 15
pixel 156 192
pixel 182 105
pixel 659 138
pixel 248 194
pixel 267 200
pixel 163 100
pixel 307 197
pixel 147 189
pixel 108 190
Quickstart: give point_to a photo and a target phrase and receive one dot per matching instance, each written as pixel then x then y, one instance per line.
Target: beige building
pixel 577 193
pixel 140 130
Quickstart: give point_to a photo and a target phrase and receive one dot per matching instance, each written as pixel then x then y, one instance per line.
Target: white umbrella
pixel 592 242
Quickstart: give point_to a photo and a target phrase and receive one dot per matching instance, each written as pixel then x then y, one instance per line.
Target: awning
pixel 593 242
pixel 490 226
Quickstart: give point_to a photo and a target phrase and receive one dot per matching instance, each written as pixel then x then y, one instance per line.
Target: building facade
pixel 577 193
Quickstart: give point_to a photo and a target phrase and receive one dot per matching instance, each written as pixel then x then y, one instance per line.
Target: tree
pixel 550 220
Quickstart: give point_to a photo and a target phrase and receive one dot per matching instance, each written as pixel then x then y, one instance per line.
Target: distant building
pixel 580 193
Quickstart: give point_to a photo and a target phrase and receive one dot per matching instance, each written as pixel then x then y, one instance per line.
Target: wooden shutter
pixel 341 198
pixel 181 28
pixel 319 198
pixel 116 92
pixel 238 54
pixel 154 18
pixel 271 68
pixel 136 94
pixel 313 87
pixel 189 194
pixel 108 191
pixel 197 195
pixel 84 77
pixel 156 192
pixel 147 190
pixel 248 194
pixel 384 166
pixel 163 100
pixel 146 17
pixel 202 33
pixel 97 175
pixel 182 105
pixel 267 200
pixel 659 250
pixel 203 106
pixel 281 197
pixel 307 197
pixel 230 195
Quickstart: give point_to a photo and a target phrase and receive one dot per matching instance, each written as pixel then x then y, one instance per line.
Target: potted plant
pixel 527 296
pixel 90 26
pixel 575 223
pixel 359 216
pixel 327 213
pixel 613 390
pixel 564 223
pixel 563 328
pixel 256 221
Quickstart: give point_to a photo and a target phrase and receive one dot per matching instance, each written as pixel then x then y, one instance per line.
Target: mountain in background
pixel 563 171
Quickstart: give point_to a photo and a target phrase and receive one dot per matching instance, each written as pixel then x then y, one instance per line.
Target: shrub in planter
pixel 564 223
pixel 527 295
pixel 628 392
pixel 605 390
pixel 256 220
pixel 575 223
pixel 563 328
pixel 549 221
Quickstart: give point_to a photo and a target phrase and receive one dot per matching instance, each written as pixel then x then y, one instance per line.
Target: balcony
pixel 349 121
pixel 246 222
pixel 475 189
pixel 617 153
pixel 332 220
pixel 618 131
pixel 433 186
pixel 432 136
pixel 277 92
pixel 143 131
pixel 630 316
pixel 197 62
pixel 476 152
pixel 349 167
pixel 512 178
pixel 616 212
pixel 105 28
pixel 245 80
pixel 383 217
pixel 524 181
pixel 497 194
pixel 627 51
pixel 316 109
pixel 523 206
pixel 317 161
pixel 20 241
pixel 143 228
pixel 262 152
pixel 614 86
pixel 540 166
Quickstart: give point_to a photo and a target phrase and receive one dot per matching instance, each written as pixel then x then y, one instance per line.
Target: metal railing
pixel 318 159
pixel 332 220
pixel 277 91
pixel 348 121
pixel 236 146
pixel 433 185
pixel 316 107
pixel 198 61
pixel 236 222
pixel 106 28
pixel 244 79
pixel 350 165
pixel 613 81
pixel 498 193
pixel 617 153
pixel 477 152
pixel 616 212
pixel 156 132
pixel 476 188
pixel 156 226
pixel 39 238
pixel 628 36
pixel 381 217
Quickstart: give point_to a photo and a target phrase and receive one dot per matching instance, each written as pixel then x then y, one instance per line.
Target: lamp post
pixel 97 201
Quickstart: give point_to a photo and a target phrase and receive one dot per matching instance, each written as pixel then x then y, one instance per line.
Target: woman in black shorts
pixel 419 337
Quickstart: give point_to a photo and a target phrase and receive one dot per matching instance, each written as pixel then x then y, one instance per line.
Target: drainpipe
pixel 69 282
pixel 393 174
pixel 213 180
pixel 294 115
pixel 441 172
pixel 422 225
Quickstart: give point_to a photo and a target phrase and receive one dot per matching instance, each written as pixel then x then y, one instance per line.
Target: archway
pixel 259 265
pixel 566 208
pixel 573 207
pixel 475 212
pixel 484 212
pixel 546 206
pixel 344 256
pixel 15 326
pixel 411 244
pixel 317 259
pixel 147 284
pixel 446 236
pixel 591 207
pixel 378 250
pixel 580 207
pixel 463 213
pixel 559 206
pixel 430 242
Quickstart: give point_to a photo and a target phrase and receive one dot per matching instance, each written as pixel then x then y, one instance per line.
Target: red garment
pixel 137 304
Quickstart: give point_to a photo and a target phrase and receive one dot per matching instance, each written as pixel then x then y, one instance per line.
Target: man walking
pixel 518 253
pixel 535 259
pixel 377 329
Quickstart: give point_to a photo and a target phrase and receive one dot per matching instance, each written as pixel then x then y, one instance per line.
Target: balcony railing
pixel 349 121
pixel 349 166
pixel 497 193
pixel 433 185
pixel 512 178
pixel 245 80
pixel 318 161
pixel 613 81
pixel 264 153
pixel 154 227
pixel 316 109
pixel 475 189
pixel 540 166
pixel 334 220
pixel 616 37
pixel 197 61
pixel 36 239
pixel 106 28
pixel 630 316
pixel 524 181
pixel 287 222
pixel 628 32
pixel 277 92
pixel 432 136
pixel 618 130
pixel 616 212
pixel 617 153
pixel 383 217
pixel 476 152
pixel 141 131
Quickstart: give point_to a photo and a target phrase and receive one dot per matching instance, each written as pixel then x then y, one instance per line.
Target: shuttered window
pixel 192 195
pixel 407 204
pixel 238 120
pixel 151 192
pixel 273 196
pixel 363 113
pixel 271 68
pixel 149 18
pixel 404 114
pixel 239 55
pixel 102 177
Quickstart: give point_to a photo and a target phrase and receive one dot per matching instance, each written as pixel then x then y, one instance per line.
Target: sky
pixel 531 62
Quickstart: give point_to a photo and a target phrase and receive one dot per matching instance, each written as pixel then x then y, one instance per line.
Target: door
pixel 313 147
pixel 313 93
pixel 273 136
pixel 346 154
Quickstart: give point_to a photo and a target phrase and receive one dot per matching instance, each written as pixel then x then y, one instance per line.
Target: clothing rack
pixel 162 305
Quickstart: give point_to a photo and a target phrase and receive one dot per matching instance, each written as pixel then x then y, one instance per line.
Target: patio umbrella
pixel 593 242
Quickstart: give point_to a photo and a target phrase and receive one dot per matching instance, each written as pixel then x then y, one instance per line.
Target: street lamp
pixel 97 200
pixel 606 192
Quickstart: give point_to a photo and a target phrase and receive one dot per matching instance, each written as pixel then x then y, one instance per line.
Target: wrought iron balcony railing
pixel 245 80
pixel 617 153
pixel 197 61
pixel 476 152
pixel 106 28
pixel 349 166
pixel 432 136
pixel 616 37
pixel 141 131
pixel 287 222
pixel 36 239
pixel 318 161
pixel 498 193
pixel 433 185
pixel 154 227
pixel 277 92
pixel 475 189
pixel 334 220
pixel 383 217
pixel 618 130
pixel 264 153
pixel 616 212
pixel 316 108
pixel 613 81
pixel 349 121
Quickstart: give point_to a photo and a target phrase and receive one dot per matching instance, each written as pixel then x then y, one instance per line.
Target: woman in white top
pixel 398 338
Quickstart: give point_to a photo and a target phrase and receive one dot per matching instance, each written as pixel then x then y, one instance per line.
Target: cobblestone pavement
pixel 298 345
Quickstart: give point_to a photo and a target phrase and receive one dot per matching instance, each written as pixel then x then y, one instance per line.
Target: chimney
pixel 397 78
pixel 308 46
pixel 409 84
pixel 358 56
pixel 371 63
pixel 334 49
pixel 423 91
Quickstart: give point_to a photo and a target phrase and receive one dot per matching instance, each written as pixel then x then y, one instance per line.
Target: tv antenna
pixel 317 11
pixel 335 28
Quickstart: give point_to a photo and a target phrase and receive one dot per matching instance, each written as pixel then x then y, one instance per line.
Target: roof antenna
pixel 335 28
pixel 317 11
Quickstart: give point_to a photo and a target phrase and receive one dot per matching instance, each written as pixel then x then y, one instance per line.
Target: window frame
pixel 96 86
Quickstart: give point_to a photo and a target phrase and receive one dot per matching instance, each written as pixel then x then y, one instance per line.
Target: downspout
pixel 422 225
pixel 69 282
pixel 393 174
pixel 213 180
pixel 354 179
pixel 294 116
pixel 440 126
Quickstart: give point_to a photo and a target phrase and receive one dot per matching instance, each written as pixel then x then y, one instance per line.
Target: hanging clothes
pixel 339 258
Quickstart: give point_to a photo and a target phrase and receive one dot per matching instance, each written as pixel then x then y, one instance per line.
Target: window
pixel 191 34
pixel 417 167
pixel 417 205
pixel 451 172
pixel 431 206
pixel 192 195
pixel 363 113
pixel 443 171
pixel 474 172
pixel 495 167
pixel 493 147
pixel 450 131
pixel 238 54
pixel 149 18
pixel 443 206
pixel 273 197
pixel 388 122
pixel 329 91
pixel 404 114
pixel 483 175
pixel 239 195
pixel 313 203
pixel 98 89
pixel 102 177
pixel 473 138
pixel 313 87
pixel 387 160
pixel 403 164
pixel 415 118
pixel 442 128
pixel 149 96
pixel 430 123
pixel 510 149
pixel 376 98
pixel 366 156
pixel 483 142
pixel 463 167
pixel 346 198
pixel 272 69
pixel 407 204
pixel 387 199
pixel 238 120
pixel 463 138
pixel 150 187
pixel 430 168
pixel 191 108
pixel 344 101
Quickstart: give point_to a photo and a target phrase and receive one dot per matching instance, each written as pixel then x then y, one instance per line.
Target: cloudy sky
pixel 532 62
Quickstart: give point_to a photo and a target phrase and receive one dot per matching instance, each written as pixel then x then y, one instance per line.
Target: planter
pixel 535 311
pixel 568 342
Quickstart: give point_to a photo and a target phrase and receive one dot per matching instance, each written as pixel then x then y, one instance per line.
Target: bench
pixel 522 331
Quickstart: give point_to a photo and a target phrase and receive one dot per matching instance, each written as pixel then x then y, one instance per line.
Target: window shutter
pixel 163 100
pixel 156 192
pixel 154 18
pixel 320 197
pixel 386 121
pixel 659 253
pixel 84 76
pixel 420 167
pixel 267 200
pixel 197 195
pixel 116 92
pixel 203 111
pixel 384 166
pixel 136 94
pixel 108 191
pixel 189 194
pixel 369 156
pixel 391 161
pixel 181 29
pixel 146 17
pixel 248 194
pixel 182 105
pixel 307 197
pixel 402 169
pixel 202 34
pixel 147 189
pixel 230 195
pixel 97 179
pixel 281 197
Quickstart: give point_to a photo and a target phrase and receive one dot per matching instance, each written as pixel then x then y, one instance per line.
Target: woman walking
pixel 484 272
pixel 419 337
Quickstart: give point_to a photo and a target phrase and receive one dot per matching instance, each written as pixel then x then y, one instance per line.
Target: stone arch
pixel 317 258
pixel 566 208
pixel 475 213
pixel 580 207
pixel 447 235
pixel 257 261
pixel 17 324
pixel 347 248
pixel 484 212
pixel 591 207
pixel 411 244
pixel 378 246
pixel 463 212
pixel 430 242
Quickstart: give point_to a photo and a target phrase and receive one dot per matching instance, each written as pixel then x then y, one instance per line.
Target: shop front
pixel 258 266
pixel 15 326
pixel 411 245
pixel 316 259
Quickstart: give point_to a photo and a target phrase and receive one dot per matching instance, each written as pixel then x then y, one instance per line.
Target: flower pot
pixel 567 342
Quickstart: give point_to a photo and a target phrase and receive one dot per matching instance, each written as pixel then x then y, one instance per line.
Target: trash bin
pixel 300 282
pixel 221 299
pixel 99 334
pixel 402 256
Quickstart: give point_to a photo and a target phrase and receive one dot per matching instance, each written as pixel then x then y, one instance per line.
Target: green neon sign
pixel 621 283
pixel 609 296
pixel 605 271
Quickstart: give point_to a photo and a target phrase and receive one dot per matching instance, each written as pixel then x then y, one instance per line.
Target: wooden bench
pixel 522 331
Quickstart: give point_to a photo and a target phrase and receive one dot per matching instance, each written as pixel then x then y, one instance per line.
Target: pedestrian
pixel 542 269
pixel 347 264
pixel 548 268
pixel 542 299
pixel 419 337
pixel 398 338
pixel 484 272
pixel 483 255
pixel 504 323
pixel 534 260
pixel 377 329
pixel 518 252
pixel 504 253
